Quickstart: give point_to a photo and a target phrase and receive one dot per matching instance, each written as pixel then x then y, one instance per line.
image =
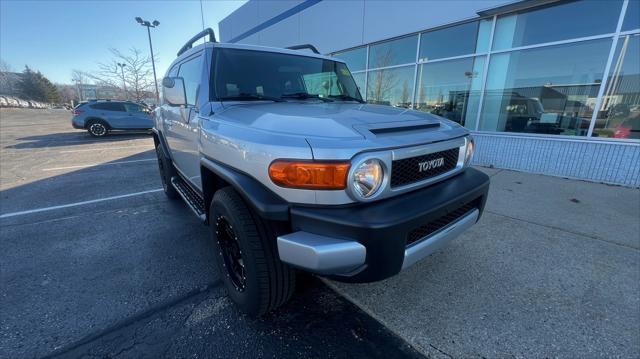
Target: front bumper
pixel 373 241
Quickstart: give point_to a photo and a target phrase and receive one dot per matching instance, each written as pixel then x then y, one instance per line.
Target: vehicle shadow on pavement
pixel 135 277
pixel 316 323
pixel 75 138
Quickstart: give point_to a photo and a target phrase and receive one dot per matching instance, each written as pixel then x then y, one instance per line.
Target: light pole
pixel 149 25
pixel 124 84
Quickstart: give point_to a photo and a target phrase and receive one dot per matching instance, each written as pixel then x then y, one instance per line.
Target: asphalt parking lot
pixel 95 262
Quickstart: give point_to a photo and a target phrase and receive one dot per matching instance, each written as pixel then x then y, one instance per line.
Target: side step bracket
pixel 192 198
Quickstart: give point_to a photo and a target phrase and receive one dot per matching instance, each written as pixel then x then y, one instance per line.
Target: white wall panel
pixel 602 161
pixel 242 20
pixel 384 19
pixel 268 9
pixel 333 25
pixel 283 34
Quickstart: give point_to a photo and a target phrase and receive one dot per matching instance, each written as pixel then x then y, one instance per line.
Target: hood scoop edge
pixel 391 130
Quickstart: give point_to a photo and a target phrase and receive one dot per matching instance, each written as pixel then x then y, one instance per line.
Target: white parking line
pixel 21 213
pixel 97 164
pixel 105 148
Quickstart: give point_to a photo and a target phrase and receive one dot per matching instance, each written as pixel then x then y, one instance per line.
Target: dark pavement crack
pixel 564 230
pixel 441 351
pixel 135 318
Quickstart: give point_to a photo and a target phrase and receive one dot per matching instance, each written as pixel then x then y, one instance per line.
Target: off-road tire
pixel 167 171
pixel 97 128
pixel 269 282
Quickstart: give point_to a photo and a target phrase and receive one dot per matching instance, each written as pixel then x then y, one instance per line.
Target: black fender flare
pixel 162 142
pixel 267 204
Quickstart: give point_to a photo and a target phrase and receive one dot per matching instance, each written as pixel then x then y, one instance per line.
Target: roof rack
pixel 200 35
pixel 304 46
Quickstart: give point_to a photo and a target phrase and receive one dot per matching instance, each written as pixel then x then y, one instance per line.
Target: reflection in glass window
pixel 392 87
pixel 395 52
pixel 525 94
pixel 360 79
pixel 484 35
pixel 190 72
pixel 450 41
pixel 632 16
pixel 451 89
pixel 619 115
pixel 356 59
pixel 557 22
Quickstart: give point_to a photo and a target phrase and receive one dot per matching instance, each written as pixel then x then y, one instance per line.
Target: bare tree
pixel 7 79
pixel 79 78
pixel 385 80
pixel 68 93
pixel 138 73
pixel 4 67
pixel 404 97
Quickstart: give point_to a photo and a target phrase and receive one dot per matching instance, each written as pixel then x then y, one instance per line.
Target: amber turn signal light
pixel 309 174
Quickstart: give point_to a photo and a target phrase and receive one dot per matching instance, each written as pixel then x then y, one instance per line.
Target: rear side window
pixel 132 107
pixel 109 106
pixel 191 71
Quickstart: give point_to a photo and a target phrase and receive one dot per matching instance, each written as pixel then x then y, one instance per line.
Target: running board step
pixel 191 197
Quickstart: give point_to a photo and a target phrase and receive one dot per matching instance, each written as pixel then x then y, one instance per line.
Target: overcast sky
pixel 58 36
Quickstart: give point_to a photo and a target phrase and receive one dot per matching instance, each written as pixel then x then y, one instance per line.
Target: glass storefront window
pixel 359 78
pixel 450 41
pixel 356 59
pixel 619 115
pixel 548 90
pixel 632 16
pixel 451 89
pixel 484 35
pixel 557 22
pixel 392 87
pixel 394 52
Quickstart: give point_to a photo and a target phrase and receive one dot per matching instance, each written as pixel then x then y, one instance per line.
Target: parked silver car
pixel 277 152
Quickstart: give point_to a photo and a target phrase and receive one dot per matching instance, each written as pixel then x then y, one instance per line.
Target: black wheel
pixel 97 128
pixel 166 172
pixel 247 257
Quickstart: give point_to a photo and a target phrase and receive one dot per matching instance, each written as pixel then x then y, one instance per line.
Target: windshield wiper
pixel 304 96
pixel 344 97
pixel 250 97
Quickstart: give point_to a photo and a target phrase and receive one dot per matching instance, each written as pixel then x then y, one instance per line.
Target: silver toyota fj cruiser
pixel 277 152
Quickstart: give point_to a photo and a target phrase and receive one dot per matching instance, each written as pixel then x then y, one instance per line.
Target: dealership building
pixel 549 87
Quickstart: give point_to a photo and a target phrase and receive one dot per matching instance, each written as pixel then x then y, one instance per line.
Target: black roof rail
pixel 304 46
pixel 200 35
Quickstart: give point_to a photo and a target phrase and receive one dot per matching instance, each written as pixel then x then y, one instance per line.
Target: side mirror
pixel 173 91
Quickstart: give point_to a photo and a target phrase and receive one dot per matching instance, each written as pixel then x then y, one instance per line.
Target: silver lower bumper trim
pixel 320 254
pixel 432 243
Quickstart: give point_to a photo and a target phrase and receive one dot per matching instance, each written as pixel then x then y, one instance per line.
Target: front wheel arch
pixel 91 120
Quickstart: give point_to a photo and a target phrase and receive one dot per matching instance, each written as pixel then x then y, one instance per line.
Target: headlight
pixel 468 155
pixel 367 178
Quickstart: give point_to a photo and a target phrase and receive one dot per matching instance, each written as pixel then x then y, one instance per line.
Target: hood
pixel 332 125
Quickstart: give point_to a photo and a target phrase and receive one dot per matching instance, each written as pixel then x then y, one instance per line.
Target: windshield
pixel 255 75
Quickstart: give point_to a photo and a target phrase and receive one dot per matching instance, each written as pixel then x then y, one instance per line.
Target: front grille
pixel 439 223
pixel 408 170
